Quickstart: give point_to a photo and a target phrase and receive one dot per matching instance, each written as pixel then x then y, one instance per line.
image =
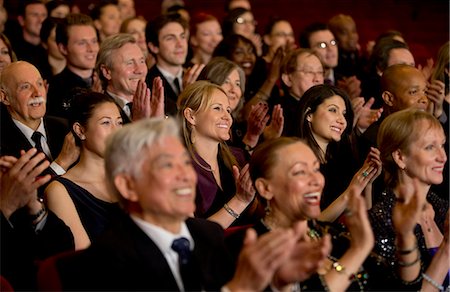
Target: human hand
pixel 148 104
pixel 435 93
pixel 257 41
pixel 373 159
pixel 275 128
pixel 256 122
pixel 351 85
pixel 19 180
pixel 366 115
pixel 367 173
pixel 407 209
pixel 357 222
pixel 275 65
pixel 69 152
pixel 306 258
pixel 245 191
pixel 191 74
pixel 260 258
pixel 96 83
pixel 427 70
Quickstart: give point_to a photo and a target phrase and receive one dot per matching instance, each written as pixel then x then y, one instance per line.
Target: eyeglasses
pixel 283 35
pixel 311 73
pixel 324 45
pixel 241 20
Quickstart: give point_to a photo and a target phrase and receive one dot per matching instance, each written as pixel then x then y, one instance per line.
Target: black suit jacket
pixel 12 140
pixel 170 97
pixel 125 258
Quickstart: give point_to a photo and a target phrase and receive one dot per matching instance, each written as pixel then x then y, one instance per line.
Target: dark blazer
pixel 12 140
pixel 21 247
pixel 170 97
pixel 125 258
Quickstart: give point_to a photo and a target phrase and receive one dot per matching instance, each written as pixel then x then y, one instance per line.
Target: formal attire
pixel 170 95
pixel 13 139
pixel 124 105
pixel 289 104
pixel 61 90
pixel 126 258
pixel 22 246
pixel 95 214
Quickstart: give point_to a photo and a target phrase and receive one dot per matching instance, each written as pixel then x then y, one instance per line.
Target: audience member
pixel 30 232
pixel 232 4
pixel 278 34
pixel 77 40
pixel 167 38
pixel 224 191
pixel 24 124
pixel 156 246
pixel 55 59
pixel 325 122
pixel 411 145
pixel 126 8
pixel 3 18
pixel 81 197
pixel 287 177
pixel 301 70
pixel 106 17
pixel 27 45
pixel 136 27
pixel 318 37
pixel 181 10
pixel 241 21
pixel 205 35
pixel 122 70
pixel 7 55
pixel 58 8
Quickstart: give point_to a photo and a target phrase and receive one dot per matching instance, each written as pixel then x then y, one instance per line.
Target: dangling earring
pixel 268 209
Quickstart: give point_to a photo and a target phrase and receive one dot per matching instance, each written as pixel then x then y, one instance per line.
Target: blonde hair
pixel 198 97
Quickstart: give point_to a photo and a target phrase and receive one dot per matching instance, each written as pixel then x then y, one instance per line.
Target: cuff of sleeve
pixel 57 168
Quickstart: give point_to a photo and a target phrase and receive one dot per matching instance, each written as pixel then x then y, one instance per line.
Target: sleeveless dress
pixel 95 214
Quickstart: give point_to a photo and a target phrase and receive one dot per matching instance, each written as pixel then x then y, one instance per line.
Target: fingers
pixel 6 162
pixel 191 75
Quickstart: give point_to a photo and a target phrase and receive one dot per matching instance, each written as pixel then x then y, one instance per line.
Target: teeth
pixel 223 126
pixel 336 129
pixel 36 101
pixel 184 191
pixel 312 195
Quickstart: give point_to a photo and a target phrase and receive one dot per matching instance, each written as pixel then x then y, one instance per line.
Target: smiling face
pixel 232 86
pixel 26 94
pixel 104 121
pixel 425 157
pixel 324 44
pixel 328 121
pixel 409 90
pixel 167 194
pixel 309 72
pixel 128 68
pixel 207 37
pixel 214 122
pixel 245 56
pixel 34 16
pixel 109 22
pixel 172 50
pixel 295 184
pixel 281 34
pixel 245 25
pixel 82 48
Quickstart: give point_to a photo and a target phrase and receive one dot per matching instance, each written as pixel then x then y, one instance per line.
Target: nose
pixel 442 156
pixel 317 179
pixel 318 78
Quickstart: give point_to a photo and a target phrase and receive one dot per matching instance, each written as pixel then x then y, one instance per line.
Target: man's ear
pixel 286 79
pixel 153 49
pixel 189 115
pixel 125 184
pixel 62 48
pixel 388 98
pixel 4 98
pixel 79 131
pixel 105 72
pixel 267 40
pixel 399 159
pixel 263 188
pixel 21 20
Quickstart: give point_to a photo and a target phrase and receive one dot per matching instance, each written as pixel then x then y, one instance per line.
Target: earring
pixel 267 209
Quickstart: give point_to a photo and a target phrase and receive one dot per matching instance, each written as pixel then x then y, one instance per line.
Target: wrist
pixel 250 140
pixel 61 163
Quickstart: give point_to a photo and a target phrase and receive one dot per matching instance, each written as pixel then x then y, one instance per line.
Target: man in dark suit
pixel 23 121
pixel 167 38
pixel 29 231
pixel 155 246
pixel 122 69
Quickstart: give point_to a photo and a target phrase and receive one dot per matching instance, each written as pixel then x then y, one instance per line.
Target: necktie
pixel 187 269
pixel 177 86
pixel 36 137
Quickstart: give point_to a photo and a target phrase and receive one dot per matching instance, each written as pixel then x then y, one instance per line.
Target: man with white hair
pixel 23 122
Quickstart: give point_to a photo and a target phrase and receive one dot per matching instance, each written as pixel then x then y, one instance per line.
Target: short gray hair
pixel 124 148
pixel 107 47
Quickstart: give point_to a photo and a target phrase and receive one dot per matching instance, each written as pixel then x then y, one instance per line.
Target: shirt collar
pixel 28 132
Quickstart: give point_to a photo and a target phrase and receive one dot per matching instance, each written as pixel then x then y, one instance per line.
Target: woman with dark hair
pixel 326 123
pixel 6 53
pixel 278 33
pixel 56 60
pixel 81 197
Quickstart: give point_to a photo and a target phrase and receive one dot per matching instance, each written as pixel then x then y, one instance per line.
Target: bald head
pixel 403 86
pixel 23 93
